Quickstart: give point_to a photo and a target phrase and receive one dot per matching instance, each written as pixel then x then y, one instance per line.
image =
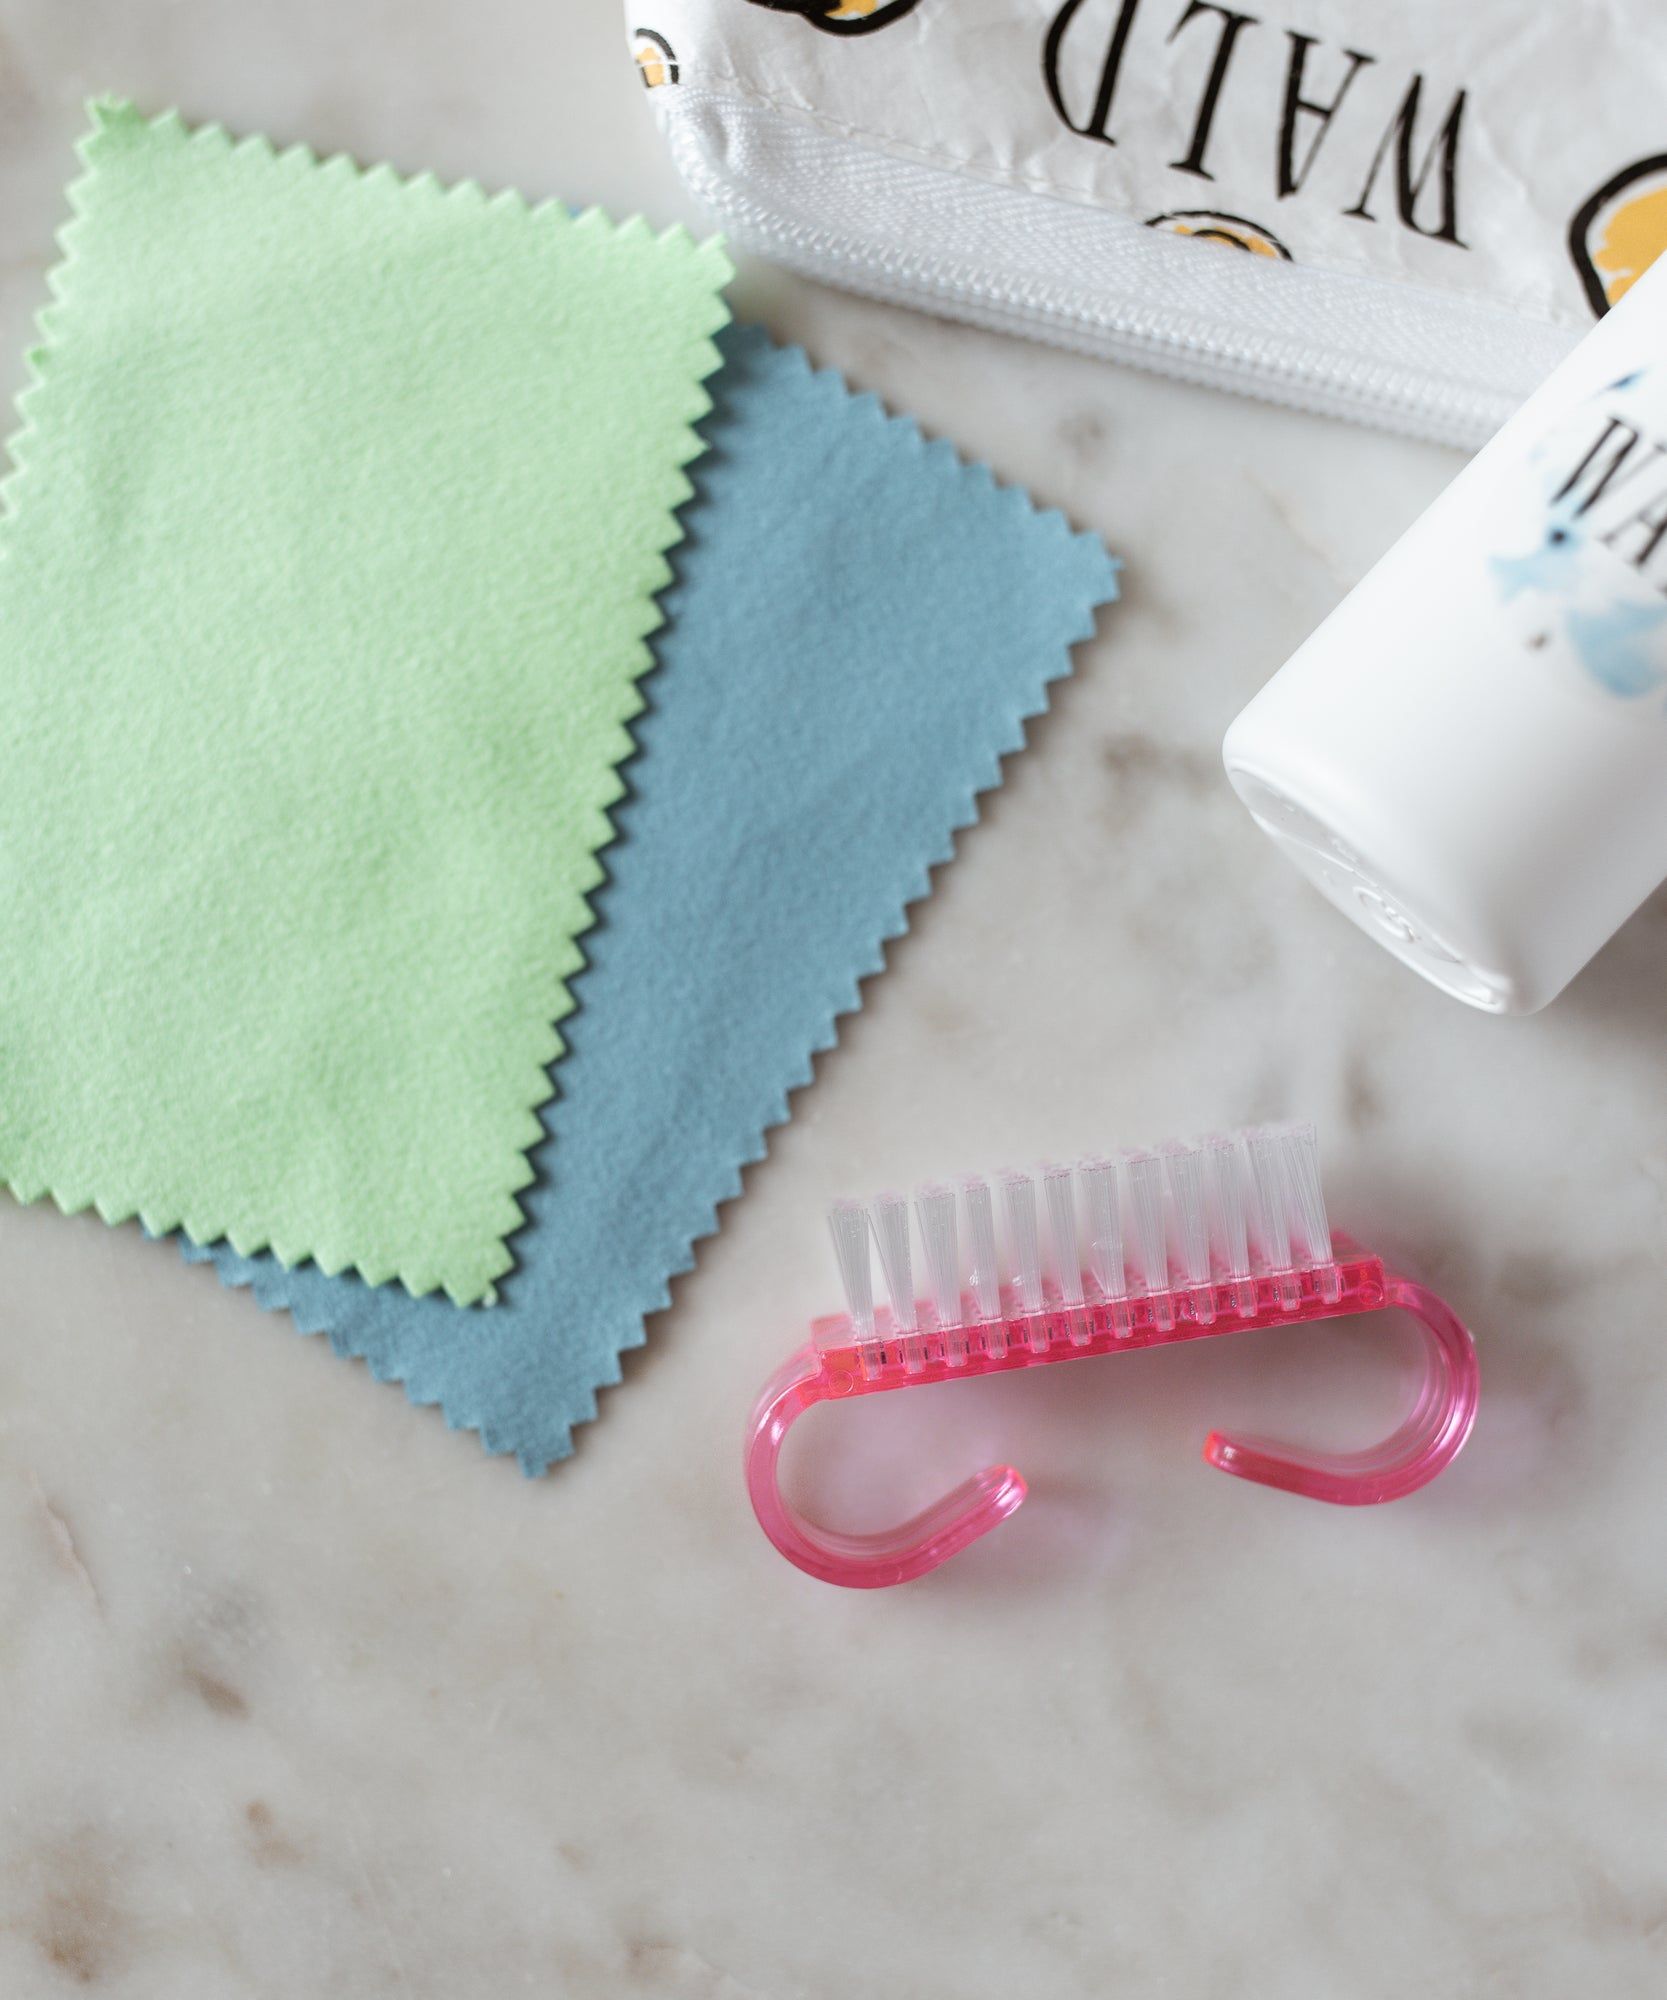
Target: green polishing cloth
pixel 334 536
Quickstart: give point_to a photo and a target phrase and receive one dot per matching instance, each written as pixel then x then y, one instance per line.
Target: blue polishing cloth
pixel 859 627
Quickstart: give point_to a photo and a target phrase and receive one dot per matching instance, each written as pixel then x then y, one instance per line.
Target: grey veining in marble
pixel 302 1694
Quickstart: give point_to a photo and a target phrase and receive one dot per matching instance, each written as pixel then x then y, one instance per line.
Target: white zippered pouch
pixel 1405 215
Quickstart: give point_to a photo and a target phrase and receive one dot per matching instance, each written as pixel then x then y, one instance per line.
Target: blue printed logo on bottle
pixel 1594 583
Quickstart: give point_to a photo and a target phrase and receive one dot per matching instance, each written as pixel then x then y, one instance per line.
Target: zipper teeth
pixel 1273 367
pixel 1399 406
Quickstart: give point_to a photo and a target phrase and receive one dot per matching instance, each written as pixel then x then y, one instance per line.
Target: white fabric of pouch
pixel 1405 215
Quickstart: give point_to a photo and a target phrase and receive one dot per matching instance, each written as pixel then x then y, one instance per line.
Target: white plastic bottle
pixel 1470 755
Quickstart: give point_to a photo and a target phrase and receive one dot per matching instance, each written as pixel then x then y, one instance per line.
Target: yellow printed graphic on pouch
pixel 655 58
pixel 843 17
pixel 1211 226
pixel 1620 232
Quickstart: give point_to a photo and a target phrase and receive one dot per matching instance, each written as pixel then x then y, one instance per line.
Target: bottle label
pixel 1583 573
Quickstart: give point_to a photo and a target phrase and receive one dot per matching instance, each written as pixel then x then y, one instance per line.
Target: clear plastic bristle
pixel 1145 1178
pixel 1184 1171
pixel 935 1211
pixel 848 1225
pixel 1105 1228
pixel 1062 1233
pixel 1024 1251
pixel 891 1229
pixel 1310 1231
pixel 1269 1212
pixel 1224 1201
pixel 981 1243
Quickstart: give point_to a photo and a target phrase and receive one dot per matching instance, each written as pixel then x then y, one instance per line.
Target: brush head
pixel 1231 1225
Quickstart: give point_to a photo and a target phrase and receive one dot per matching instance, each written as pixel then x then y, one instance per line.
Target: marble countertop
pixel 301 1693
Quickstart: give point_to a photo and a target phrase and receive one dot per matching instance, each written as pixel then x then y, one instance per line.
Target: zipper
pixel 1273 367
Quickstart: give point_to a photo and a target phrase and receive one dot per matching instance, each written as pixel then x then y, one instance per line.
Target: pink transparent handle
pixel 862 1562
pixel 1429 1439
pixel 1426 1443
